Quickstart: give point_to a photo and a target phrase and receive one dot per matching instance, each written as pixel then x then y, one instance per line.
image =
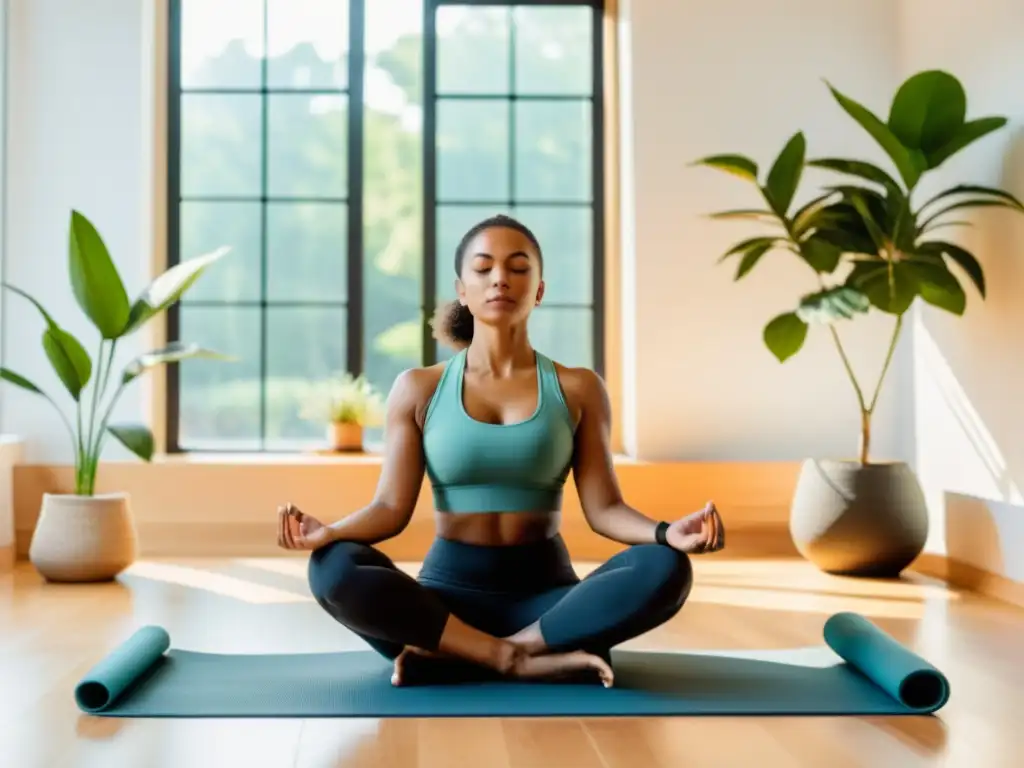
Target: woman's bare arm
pixel 402 473
pixel 603 506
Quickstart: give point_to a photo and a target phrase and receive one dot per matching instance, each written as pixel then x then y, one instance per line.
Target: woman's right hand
pixel 297 530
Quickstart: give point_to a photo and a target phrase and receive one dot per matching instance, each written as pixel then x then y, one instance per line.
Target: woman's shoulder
pixel 414 387
pixel 582 387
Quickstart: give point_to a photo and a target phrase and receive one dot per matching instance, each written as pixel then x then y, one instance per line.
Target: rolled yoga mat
pixel 860 670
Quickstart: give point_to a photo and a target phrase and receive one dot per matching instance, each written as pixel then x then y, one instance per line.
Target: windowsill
pixel 264 458
pixel 300 459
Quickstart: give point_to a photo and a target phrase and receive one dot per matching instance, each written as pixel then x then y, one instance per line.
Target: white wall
pixel 74 140
pixel 710 76
pixel 969 371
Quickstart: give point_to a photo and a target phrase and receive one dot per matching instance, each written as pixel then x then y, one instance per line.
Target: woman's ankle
pixel 529 639
pixel 466 642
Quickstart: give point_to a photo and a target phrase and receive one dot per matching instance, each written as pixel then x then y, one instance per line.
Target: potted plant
pixel 86 536
pixel 871 244
pixel 348 404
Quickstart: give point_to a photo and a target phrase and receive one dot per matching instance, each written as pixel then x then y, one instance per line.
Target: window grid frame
pixel 596 204
pixel 353 200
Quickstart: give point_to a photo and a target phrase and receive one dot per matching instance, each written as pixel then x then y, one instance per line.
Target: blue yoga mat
pixel 860 670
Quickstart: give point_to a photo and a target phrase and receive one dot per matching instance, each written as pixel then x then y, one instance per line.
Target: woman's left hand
pixel 699 532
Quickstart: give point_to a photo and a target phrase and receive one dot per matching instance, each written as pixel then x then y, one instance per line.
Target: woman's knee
pixel 334 570
pixel 670 572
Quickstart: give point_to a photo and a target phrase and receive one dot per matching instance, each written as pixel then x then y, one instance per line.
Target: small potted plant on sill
pixel 87 536
pixel 348 404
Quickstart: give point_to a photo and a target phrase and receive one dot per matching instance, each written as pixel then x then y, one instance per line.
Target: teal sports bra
pixel 474 466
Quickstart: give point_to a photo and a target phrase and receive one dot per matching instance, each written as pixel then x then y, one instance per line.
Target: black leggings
pixel 500 590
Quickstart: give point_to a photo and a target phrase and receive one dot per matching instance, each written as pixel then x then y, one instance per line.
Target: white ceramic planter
pixel 84 538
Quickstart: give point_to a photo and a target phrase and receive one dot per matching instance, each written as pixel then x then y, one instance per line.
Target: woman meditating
pixel 497 429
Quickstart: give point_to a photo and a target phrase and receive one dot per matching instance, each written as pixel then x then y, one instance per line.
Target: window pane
pixel 553 141
pixel 220 144
pixel 563 334
pixel 472 50
pixel 219 401
pixel 393 196
pixel 472 150
pixel 453 221
pixel 394 332
pixel 221 43
pixel 307 43
pixel 566 239
pixel 307 146
pixel 305 347
pixel 554 50
pixel 208 226
pixel 307 247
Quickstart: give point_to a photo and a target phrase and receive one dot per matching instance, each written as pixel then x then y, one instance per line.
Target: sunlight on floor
pixel 795 602
pixel 784 586
pixel 216 583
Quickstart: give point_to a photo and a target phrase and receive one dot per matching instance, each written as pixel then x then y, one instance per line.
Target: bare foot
pixel 552 666
pixel 407 657
pixel 558 665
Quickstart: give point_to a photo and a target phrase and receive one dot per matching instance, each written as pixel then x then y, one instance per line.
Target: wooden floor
pixel 50 635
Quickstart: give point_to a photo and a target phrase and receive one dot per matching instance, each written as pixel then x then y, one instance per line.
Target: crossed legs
pixel 562 628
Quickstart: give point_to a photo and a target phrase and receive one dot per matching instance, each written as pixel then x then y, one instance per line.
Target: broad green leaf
pixel 864 269
pixel 848 239
pixel 973 189
pixel 969 133
pixel 943 224
pixel 784 175
pixel 136 438
pixel 928 110
pixel 977 202
pixel 842 224
pixel 806 217
pixel 737 165
pixel 18 380
pixel 873 222
pixel 909 169
pixel 785 335
pixel 938 286
pixel 839 303
pixel 745 213
pixel 750 259
pixel 904 231
pixel 745 245
pixel 892 289
pixel 69 359
pixel 856 168
pixel 172 353
pixel 169 287
pixel 66 354
pixel 822 255
pixel 94 279
pixel 961 256
pixel 877 203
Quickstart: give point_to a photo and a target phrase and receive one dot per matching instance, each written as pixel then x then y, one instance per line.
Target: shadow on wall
pixel 969 410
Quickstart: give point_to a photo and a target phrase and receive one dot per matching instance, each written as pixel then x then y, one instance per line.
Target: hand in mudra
pixel 698 533
pixel 297 530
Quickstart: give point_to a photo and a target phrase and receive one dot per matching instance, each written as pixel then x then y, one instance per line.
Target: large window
pixel 341 149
